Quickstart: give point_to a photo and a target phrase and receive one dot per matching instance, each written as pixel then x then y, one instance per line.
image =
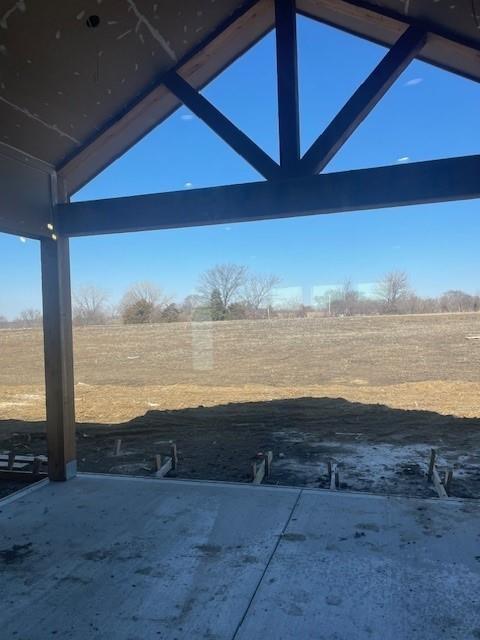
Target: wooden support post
pixel 11 460
pixel 58 346
pixel 117 447
pixel 287 85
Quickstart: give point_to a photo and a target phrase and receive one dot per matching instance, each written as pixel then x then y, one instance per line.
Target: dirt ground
pixel 372 394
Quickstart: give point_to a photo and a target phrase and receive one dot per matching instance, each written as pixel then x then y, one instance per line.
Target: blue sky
pixel 427 114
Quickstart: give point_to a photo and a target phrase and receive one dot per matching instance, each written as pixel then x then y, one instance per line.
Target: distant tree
pixel 29 318
pixel 4 322
pixel 143 303
pixel 90 305
pixel 392 289
pixel 139 312
pixel 238 311
pixel 324 301
pixel 171 313
pixel 340 301
pixel 290 307
pixel 257 293
pixel 456 300
pixel 218 311
pixel 221 285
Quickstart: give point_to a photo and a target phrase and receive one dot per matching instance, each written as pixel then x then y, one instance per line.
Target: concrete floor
pixel 137 559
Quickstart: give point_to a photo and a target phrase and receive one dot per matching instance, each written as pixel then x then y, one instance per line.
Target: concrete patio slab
pixel 363 566
pixel 129 558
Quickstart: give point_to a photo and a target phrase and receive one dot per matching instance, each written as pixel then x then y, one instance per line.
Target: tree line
pixel 232 292
pixel 392 295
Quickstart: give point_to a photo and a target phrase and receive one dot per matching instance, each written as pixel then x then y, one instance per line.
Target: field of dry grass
pixel 264 383
pixel 410 362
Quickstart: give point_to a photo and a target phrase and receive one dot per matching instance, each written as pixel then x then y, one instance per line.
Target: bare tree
pixel 392 289
pixel 224 282
pixel 90 305
pixel 29 318
pixel 340 301
pixel 455 300
pixel 349 297
pixel 144 302
pixel 257 292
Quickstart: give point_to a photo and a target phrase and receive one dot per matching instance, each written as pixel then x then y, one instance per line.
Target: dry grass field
pixel 371 393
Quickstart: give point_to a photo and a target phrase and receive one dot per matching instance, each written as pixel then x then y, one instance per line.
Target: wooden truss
pixel 292 188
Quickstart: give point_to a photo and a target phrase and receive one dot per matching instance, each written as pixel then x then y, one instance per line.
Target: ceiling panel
pixel 63 77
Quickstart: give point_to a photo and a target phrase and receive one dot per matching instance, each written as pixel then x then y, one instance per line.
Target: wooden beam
pixel 57 330
pixel 392 186
pixel 363 101
pixel 287 85
pixel 222 126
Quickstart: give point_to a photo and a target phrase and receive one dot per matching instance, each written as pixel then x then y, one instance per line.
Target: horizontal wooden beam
pixel 391 186
pixel 222 126
pixel 362 102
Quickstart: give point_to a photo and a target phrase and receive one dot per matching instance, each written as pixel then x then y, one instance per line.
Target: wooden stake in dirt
pixel 165 464
pixel 442 488
pixel 437 481
pixel 261 470
pixel 117 447
pixel 21 467
pixel 333 476
pixel 431 466
pixel 161 470
pixel 173 454
pixel 448 480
